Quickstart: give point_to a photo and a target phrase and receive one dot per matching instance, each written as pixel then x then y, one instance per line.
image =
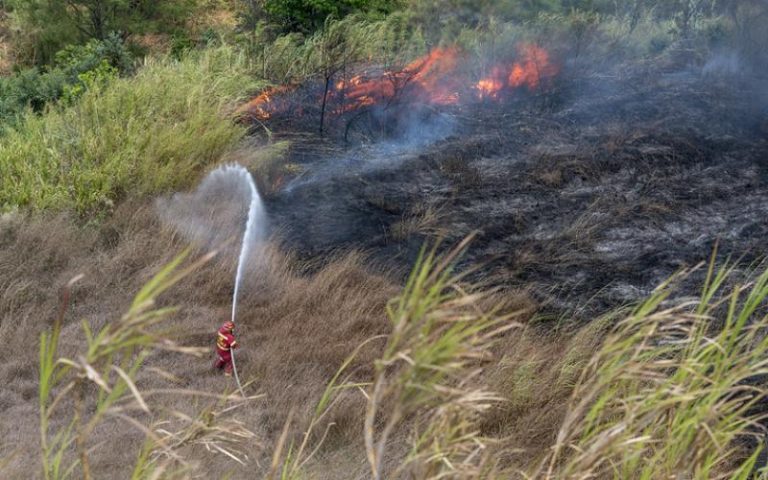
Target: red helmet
pixel 228 326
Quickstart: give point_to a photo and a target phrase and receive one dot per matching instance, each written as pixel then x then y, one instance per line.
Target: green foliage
pixel 156 131
pixel 293 58
pixel 393 41
pixel 83 58
pixel 76 69
pixel 310 15
pixel 28 88
pixel 181 44
pixel 99 76
pixel 53 25
pixel 488 29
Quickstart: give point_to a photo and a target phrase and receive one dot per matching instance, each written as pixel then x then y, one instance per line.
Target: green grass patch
pixel 142 135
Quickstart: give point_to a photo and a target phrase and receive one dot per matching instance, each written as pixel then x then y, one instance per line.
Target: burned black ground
pixel 589 195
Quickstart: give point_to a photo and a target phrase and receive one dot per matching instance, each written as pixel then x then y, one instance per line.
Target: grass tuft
pixel 674 391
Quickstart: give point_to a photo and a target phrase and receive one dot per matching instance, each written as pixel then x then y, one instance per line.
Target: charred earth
pixel 589 193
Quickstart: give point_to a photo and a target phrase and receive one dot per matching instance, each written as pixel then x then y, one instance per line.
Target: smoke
pixel 215 215
pixel 416 131
pixel 723 63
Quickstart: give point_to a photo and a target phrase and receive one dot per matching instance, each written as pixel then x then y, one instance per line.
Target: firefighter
pixel 225 342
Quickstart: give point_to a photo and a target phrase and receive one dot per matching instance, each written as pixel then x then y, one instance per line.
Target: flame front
pixel 435 79
pixel 434 74
pixel 268 103
pixel 427 80
pixel 532 68
pixel 491 86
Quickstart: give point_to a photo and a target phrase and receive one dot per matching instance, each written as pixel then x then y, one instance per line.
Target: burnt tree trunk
pixel 325 101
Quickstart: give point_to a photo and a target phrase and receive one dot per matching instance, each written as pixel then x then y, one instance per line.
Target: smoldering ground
pixel 603 186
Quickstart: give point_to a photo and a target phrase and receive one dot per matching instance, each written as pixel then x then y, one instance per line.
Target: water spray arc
pixel 255 213
pixel 214 214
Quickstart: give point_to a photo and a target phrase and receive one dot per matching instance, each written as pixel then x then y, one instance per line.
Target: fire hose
pixel 234 369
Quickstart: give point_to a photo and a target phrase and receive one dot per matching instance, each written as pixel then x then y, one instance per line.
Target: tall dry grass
pixel 676 390
pixel 438 383
pixel 296 330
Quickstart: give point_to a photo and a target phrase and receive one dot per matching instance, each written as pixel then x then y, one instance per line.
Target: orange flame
pixel 429 76
pixel 361 91
pixel 265 105
pixel 491 87
pixel 434 74
pixel 434 79
pixel 533 68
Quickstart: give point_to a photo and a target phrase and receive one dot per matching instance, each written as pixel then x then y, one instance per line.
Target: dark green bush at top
pixel 81 58
pixel 310 15
pixel 75 69
pixel 51 25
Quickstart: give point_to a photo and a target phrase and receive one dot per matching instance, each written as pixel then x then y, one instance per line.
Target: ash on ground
pixel 589 195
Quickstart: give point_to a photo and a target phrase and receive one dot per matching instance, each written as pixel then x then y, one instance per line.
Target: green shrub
pixel 28 89
pixel 82 58
pixel 310 15
pixel 100 75
pixel 181 44
pixel 77 68
pixel 49 26
pixel 141 135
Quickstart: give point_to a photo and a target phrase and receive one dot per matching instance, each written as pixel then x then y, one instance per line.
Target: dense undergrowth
pixel 156 131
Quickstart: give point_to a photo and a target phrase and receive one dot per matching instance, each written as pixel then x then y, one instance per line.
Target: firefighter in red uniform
pixel 225 342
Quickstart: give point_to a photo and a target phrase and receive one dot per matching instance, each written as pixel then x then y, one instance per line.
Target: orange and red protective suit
pixel 225 342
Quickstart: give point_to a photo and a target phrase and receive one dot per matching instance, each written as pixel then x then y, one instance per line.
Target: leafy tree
pixel 75 69
pixel 58 23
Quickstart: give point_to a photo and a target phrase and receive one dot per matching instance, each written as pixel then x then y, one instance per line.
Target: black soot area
pixel 589 196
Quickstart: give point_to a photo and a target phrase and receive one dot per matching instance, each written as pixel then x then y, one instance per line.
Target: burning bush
pixel 442 78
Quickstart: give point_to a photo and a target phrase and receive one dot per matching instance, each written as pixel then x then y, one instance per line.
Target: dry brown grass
pixel 422 220
pixel 218 15
pixel 296 329
pixel 153 43
pixel 535 374
pixel 466 394
pixel 297 324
